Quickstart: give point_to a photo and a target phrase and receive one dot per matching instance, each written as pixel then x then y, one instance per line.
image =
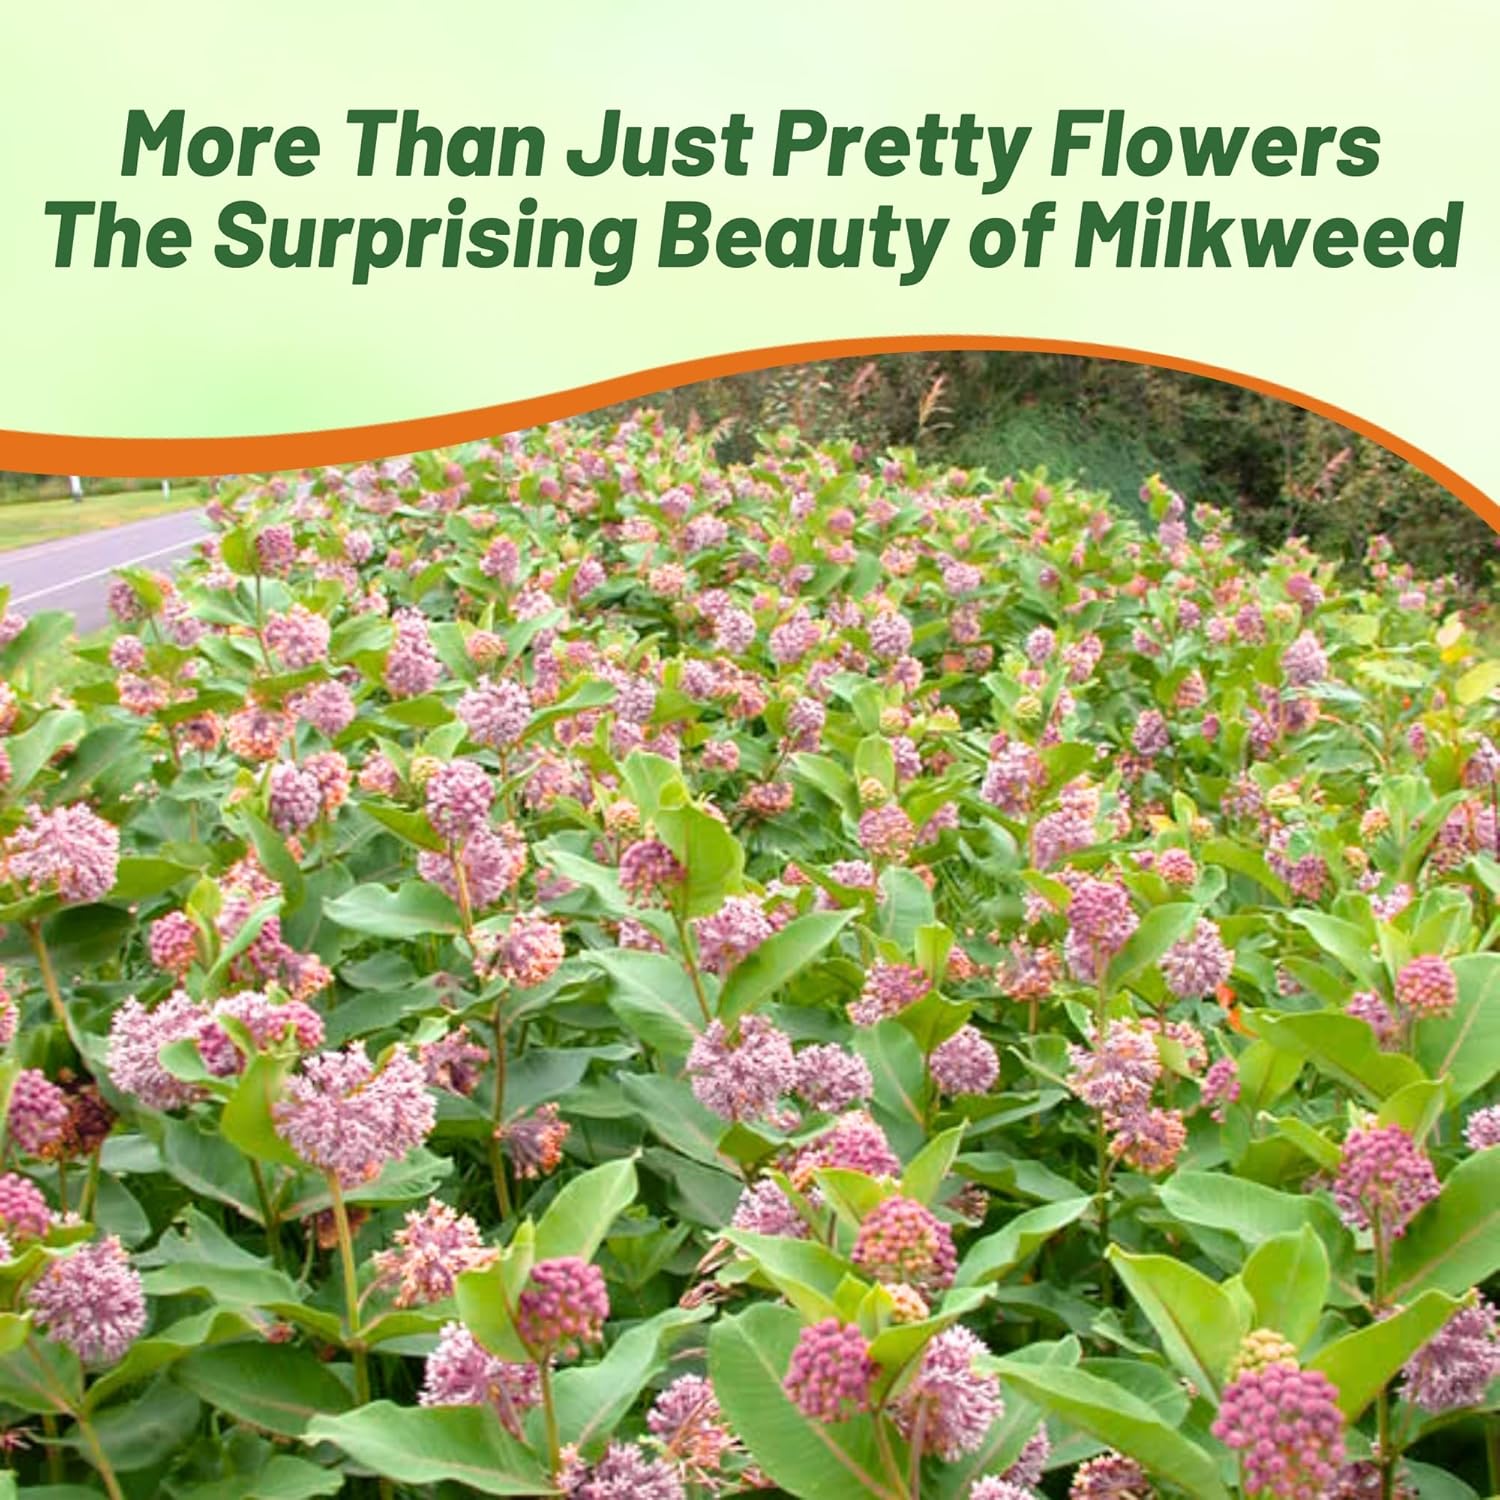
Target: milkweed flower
pixel 624 1473
pixel 534 1141
pixel 136 1038
pixel 91 1301
pixel 432 1250
pixel 688 1424
pixel 562 1306
pixel 1111 1476
pixel 854 1141
pixel 299 637
pixel 24 1213
pixel 965 1064
pixel 458 796
pixel 38 1113
pixel 411 665
pixel 1455 1367
pixel 1195 966
pixel 1116 1075
pixel 461 1372
pixel 70 850
pixel 648 867
pixel 327 706
pixel 1100 922
pixel 731 934
pixel 495 713
pixel 1383 1179
pixel 888 989
pixel 764 1209
pixel 949 1405
pixel 1482 1129
pixel 993 1487
pixel 741 1078
pixel 1286 1425
pixel 828 1078
pixel 294 799
pixel 831 1374
pixel 903 1241
pixel 1427 987
pixel 345 1117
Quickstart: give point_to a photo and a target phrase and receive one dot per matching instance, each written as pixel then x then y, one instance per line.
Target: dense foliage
pixel 564 968
pixel 1279 469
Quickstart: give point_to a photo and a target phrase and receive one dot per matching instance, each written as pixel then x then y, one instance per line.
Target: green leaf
pixel 1341 1047
pixel 1123 1421
pixel 1415 1108
pixel 806 1273
pixel 422 1445
pixel 1478 682
pixel 756 978
pixel 591 1399
pixel 748 1357
pixel 199 1258
pixel 710 854
pixel 1243 860
pixel 1250 1211
pixel 926 1171
pixel 142 1433
pixel 247 1121
pixel 1158 930
pixel 579 1217
pixel 279 1388
pixel 413 910
pixel 653 996
pixel 996 1255
pixel 1454 1242
pixel 1360 1363
pixel 148 1355
pixel 1287 1279
pixel 1344 942
pixel 33 748
pixel 1196 1320
pixel 1466 1045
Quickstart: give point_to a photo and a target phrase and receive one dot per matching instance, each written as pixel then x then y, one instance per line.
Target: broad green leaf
pixel 1454 1242
pixel 199 1258
pixel 425 1445
pixel 148 1355
pixel 30 750
pixel 1360 1363
pixel 653 996
pixel 248 1121
pixel 778 960
pixel 278 1388
pixel 926 1171
pixel 1466 1045
pixel 413 910
pixel 1121 1420
pixel 591 1399
pixel 1341 1047
pixel 748 1357
pixel 998 1254
pixel 1344 942
pixel 1415 1108
pixel 579 1217
pixel 1478 682
pixel 710 854
pixel 1196 1320
pixel 143 1433
pixel 1158 930
pixel 1287 1279
pixel 806 1273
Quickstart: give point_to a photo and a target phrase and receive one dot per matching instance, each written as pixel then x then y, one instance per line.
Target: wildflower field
pixel 562 968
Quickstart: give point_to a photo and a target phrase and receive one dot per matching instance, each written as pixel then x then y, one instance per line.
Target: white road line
pixel 128 562
pixel 62 544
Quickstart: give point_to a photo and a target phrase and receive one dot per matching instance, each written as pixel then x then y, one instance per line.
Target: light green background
pixel 201 351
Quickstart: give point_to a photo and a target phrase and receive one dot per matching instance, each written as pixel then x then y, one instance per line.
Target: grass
pixel 24 523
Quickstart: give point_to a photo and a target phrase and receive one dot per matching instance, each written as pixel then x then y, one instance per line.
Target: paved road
pixel 73 573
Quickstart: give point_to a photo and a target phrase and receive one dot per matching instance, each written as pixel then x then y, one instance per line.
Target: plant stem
pixel 49 975
pixel 100 1462
pixel 90 1186
pixel 351 1293
pixel 497 1115
pixel 54 1453
pixel 1386 1450
pixel 1106 1271
pixel 549 1416
pixel 692 966
pixel 268 1212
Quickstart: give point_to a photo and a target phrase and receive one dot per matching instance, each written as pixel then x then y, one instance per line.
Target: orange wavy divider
pixel 56 453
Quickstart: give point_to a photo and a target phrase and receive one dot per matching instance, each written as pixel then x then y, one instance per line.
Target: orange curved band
pixel 52 453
